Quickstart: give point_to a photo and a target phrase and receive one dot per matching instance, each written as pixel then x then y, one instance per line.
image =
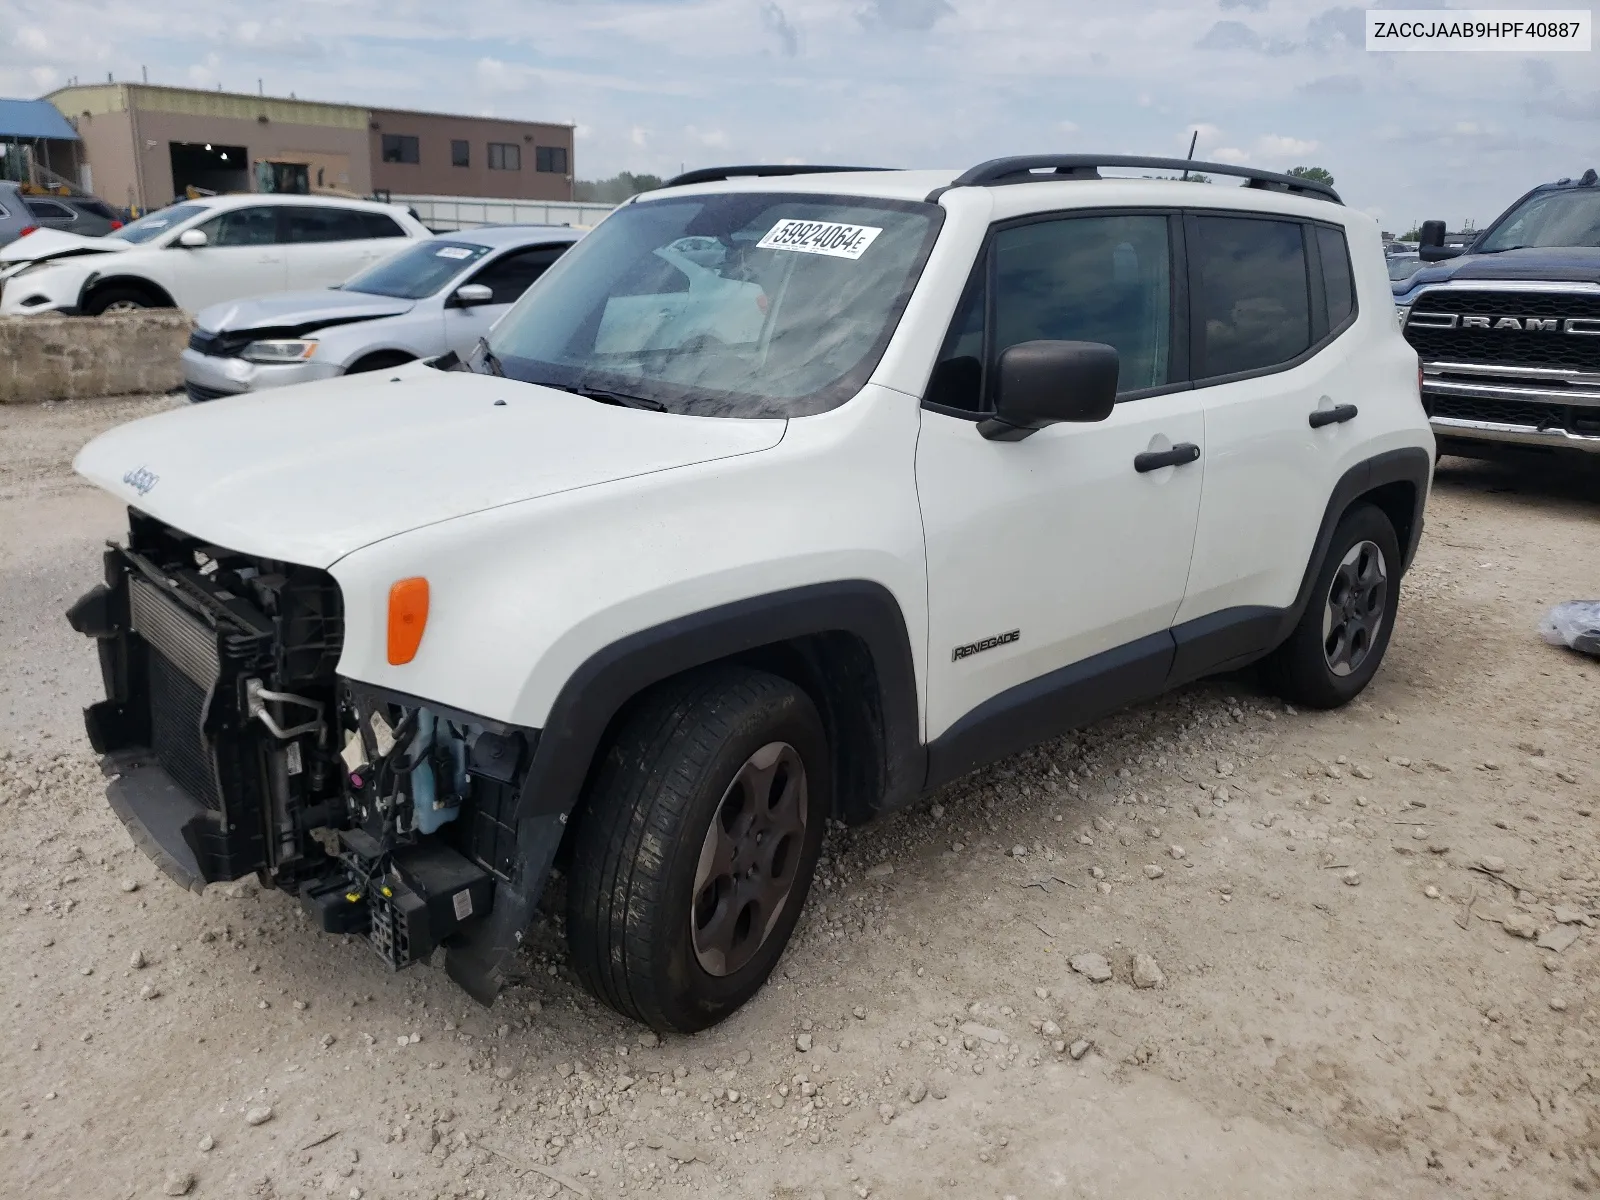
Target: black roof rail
pixel 720 174
pixel 1031 168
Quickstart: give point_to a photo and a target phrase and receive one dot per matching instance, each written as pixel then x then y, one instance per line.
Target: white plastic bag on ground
pixel 1575 624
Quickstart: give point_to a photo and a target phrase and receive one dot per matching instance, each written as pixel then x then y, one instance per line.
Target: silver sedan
pixel 437 296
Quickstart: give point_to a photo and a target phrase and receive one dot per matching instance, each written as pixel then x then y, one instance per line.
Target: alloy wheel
pixel 750 859
pixel 1353 614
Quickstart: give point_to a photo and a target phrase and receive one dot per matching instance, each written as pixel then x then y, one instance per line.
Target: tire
pixel 654 929
pixel 119 299
pixel 1341 638
pixel 380 360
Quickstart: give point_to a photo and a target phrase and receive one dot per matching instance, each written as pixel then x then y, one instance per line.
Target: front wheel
pixel 1341 637
pixel 695 846
pixel 118 300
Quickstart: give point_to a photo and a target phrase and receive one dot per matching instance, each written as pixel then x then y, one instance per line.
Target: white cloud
pixel 1067 126
pixel 1273 145
pixel 1229 154
pixel 44 78
pixel 493 75
pixel 205 73
pixel 715 139
pixel 31 39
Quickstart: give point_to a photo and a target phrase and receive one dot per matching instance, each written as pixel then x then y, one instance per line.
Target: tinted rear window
pixel 1337 278
pixel 49 210
pixel 377 225
pixel 1251 294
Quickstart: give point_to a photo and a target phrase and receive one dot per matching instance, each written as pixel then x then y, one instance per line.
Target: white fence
pixel 463 212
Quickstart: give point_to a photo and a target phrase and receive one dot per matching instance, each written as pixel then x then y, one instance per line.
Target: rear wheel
pixel 1341 638
pixel 695 847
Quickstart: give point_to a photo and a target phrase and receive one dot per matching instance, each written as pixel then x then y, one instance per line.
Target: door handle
pixel 1336 415
pixel 1154 460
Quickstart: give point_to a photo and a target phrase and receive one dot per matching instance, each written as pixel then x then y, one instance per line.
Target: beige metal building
pixel 145 145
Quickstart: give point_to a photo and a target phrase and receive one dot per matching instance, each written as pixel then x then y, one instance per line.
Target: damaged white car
pixel 201 252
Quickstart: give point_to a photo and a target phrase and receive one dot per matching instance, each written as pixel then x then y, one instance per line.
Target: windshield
pixel 153 225
pixel 1569 218
pixel 420 270
pixel 751 304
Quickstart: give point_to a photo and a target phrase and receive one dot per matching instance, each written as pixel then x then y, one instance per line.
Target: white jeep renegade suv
pixel 782 496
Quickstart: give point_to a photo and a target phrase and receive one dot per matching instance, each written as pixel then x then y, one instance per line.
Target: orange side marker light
pixel 408 617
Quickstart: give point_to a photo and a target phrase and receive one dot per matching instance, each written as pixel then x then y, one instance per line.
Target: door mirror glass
pixel 192 239
pixel 469 295
pixel 1042 382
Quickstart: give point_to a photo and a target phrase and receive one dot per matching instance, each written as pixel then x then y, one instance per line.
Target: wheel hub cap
pixel 1352 616
pixel 749 859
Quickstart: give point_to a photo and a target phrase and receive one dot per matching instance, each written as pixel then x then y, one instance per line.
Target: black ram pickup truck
pixel 1508 326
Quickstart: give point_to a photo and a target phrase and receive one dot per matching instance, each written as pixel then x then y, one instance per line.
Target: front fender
pixel 523 595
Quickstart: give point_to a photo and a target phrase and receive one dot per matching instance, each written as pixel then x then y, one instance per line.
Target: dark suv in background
pixel 1508 326
pixel 23 212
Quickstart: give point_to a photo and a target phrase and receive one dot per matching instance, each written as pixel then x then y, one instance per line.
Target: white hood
pixel 310 473
pixel 47 243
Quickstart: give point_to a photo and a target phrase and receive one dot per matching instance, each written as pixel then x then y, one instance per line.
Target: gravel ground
pixel 1211 947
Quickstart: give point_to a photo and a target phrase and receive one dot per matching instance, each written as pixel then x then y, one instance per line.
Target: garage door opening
pixel 209 168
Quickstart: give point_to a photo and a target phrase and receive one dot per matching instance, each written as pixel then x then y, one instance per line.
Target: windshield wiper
pixel 619 398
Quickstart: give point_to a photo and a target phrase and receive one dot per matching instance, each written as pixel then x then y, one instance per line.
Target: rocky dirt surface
pixel 1211 947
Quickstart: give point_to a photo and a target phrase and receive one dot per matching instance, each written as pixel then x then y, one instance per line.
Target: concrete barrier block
pixel 72 358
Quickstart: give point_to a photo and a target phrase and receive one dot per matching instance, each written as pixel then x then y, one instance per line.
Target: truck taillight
pixel 116 224
pixel 26 230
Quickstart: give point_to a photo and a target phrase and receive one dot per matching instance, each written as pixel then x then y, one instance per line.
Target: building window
pixel 460 153
pixel 504 156
pixel 400 148
pixel 551 159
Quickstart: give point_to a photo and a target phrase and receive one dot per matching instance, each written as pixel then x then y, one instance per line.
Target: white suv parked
pixel 201 252
pixel 778 499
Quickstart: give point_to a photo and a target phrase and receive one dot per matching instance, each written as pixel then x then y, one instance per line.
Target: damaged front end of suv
pixel 235 748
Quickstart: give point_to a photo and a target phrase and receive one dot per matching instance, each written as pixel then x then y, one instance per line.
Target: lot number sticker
pixel 819 237
pixel 453 252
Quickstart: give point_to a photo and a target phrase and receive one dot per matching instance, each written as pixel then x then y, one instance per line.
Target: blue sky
pixel 653 84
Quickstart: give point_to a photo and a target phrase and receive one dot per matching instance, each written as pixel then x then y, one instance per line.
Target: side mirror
pixel 1041 383
pixel 192 239
pixel 470 295
pixel 1431 247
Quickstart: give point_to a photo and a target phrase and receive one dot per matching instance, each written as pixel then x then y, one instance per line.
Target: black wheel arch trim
pixel 1411 465
pixel 389 357
pixel 613 675
pixel 97 282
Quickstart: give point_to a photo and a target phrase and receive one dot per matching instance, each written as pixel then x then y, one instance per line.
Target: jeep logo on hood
pixel 141 479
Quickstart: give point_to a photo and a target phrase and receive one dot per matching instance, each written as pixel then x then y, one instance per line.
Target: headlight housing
pixel 279 350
